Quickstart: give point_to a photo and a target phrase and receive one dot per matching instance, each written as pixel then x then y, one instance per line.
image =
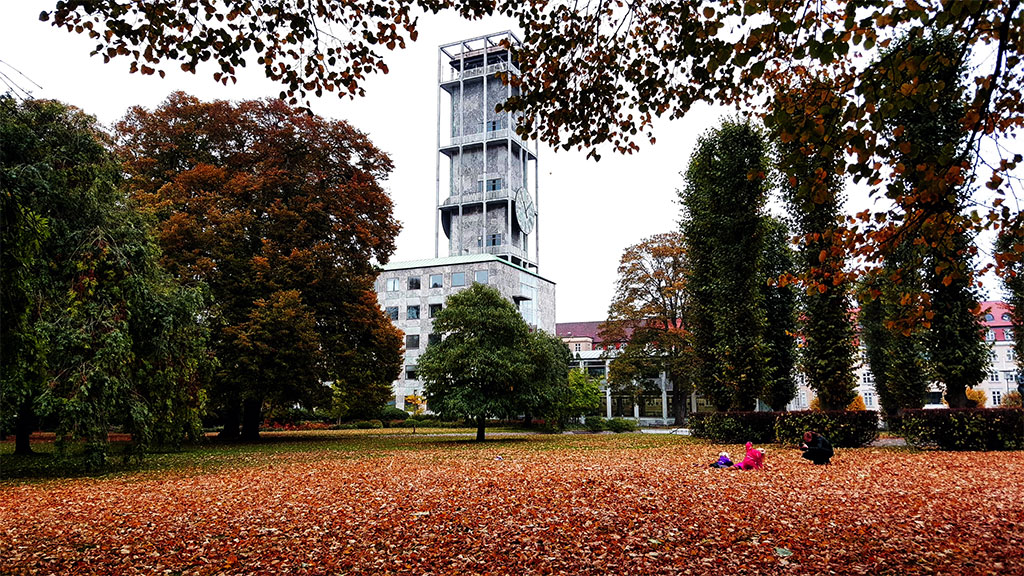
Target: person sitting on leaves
pixel 754 460
pixel 723 461
pixel 817 448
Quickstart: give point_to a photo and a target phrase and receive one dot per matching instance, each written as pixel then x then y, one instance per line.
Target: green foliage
pixel 619 425
pixel 805 124
pixel 595 424
pixel 483 364
pixel 579 395
pixel 281 214
pixel 724 198
pixel 843 428
pixel 965 429
pixel 849 429
pixel 780 301
pixel 390 413
pixel 732 427
pixel 110 339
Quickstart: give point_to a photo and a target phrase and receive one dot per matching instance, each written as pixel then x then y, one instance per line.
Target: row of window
pixel 1007 334
pixel 989 317
pixel 1007 376
pixel 412 312
pixel 437 280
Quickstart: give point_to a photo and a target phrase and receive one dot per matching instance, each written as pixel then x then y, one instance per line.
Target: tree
pixel 109 338
pixel 483 364
pixel 647 313
pixel 281 214
pixel 806 125
pixel 725 192
pixel 581 395
pixel 923 133
pixel 780 302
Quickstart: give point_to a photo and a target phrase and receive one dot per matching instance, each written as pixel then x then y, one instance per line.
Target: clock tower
pixel 486 187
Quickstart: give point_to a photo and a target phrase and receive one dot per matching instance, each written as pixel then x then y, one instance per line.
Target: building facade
pixel 486 207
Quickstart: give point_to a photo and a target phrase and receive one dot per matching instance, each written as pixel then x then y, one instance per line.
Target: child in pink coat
pixel 754 459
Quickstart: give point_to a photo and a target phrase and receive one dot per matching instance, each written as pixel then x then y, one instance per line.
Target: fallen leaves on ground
pixel 538 505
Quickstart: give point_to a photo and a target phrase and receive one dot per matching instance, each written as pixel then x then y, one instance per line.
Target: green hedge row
pixel 849 429
pixel 965 429
pixel 598 424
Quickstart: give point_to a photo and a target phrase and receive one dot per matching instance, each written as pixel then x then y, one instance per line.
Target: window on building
pixel 997 397
pixel 392 284
pixel 493 125
pixel 868 378
pixel 410 373
pixel 576 347
pixel 989 317
pixel 412 312
pixel 481 277
pixel 493 184
pixel 436 281
pixel 414 283
pixel 933 398
pixel 392 312
pixel 494 239
pixel 1009 376
pixel 993 376
pixel 433 339
pixel 1007 333
pixel 869 399
pixel 1006 316
pixel 1009 355
pixel 458 278
pixel 992 355
pixel 412 341
pixel 433 309
pixel 990 335
pixel 526 243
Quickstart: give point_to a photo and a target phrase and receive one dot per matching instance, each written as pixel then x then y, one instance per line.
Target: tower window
pixel 433 309
pixel 392 312
pixel 436 281
pixel 458 278
pixel 412 341
pixel 493 184
pixel 481 276
pixel 494 239
pixel 392 284
pixel 412 313
pixel 414 283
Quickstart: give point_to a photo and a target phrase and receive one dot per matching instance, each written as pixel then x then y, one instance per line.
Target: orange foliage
pixel 626 505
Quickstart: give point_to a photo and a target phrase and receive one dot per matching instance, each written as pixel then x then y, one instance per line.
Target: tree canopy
pixel 647 312
pixel 282 215
pixel 487 364
pixel 95 333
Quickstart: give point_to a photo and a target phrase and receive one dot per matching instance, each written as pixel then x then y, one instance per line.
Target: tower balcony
pixel 489 136
pixel 476 197
pixel 455 75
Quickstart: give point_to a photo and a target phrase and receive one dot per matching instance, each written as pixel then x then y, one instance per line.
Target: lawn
pixel 366 503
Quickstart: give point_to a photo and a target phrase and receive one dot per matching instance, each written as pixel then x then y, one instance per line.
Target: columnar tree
pixel 1011 271
pixel 725 192
pixel 806 124
pixel 282 215
pixel 483 364
pixel 109 339
pixel 922 98
pixel 647 312
pixel 780 301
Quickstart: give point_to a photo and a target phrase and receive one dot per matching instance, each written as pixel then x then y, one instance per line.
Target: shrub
pixel 410 423
pixel 965 429
pixel 622 425
pixel 369 424
pixel 843 428
pixel 595 424
pixel 732 427
pixel 390 413
pixel 1012 400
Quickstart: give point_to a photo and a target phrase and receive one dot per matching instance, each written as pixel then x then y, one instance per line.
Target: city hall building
pixel 486 196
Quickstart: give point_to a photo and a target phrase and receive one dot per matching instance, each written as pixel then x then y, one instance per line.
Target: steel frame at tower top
pixel 489 197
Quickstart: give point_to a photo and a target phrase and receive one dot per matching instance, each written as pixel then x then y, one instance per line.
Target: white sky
pixel 588 212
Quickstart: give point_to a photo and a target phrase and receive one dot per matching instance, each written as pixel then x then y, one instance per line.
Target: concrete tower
pixel 486 175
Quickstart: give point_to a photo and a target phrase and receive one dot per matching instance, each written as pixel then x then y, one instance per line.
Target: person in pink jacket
pixel 754 460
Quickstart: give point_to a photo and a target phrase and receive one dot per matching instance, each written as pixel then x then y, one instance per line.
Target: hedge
pixel 847 429
pixel 965 428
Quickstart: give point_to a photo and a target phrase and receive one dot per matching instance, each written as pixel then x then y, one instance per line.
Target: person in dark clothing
pixel 817 448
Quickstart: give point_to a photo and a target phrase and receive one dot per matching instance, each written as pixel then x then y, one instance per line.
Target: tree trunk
pixel 678 406
pixel 480 423
pixel 232 421
pixel 23 428
pixel 252 416
pixel 957 398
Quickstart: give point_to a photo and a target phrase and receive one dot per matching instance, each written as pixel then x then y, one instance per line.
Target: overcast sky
pixel 588 211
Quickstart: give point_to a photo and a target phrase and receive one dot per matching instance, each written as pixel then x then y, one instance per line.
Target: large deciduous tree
pixel 282 215
pixel 723 199
pixel 647 312
pixel 484 363
pixel 96 334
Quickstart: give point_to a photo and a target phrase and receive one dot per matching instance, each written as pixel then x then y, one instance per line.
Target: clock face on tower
pixel 526 213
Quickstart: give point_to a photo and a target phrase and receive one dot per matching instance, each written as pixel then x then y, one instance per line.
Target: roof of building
pixel 454 260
